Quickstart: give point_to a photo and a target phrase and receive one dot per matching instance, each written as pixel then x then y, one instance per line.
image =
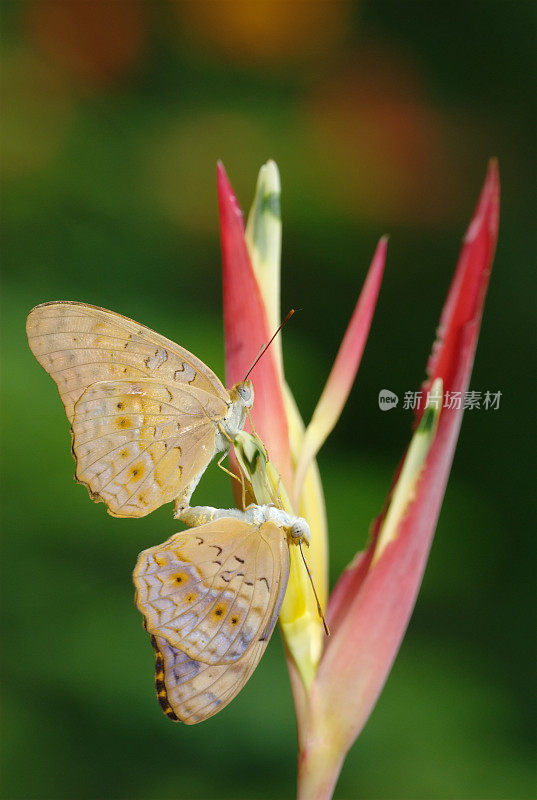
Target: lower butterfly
pixel 146 416
pixel 210 597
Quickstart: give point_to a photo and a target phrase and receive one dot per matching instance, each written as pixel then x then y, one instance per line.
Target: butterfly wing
pixel 79 344
pixel 133 470
pixel 214 592
pixel 191 691
pixel 139 444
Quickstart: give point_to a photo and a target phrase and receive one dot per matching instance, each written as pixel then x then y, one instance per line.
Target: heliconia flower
pixel 336 681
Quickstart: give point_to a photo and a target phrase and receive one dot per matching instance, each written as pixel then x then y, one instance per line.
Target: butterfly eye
pixel 300 530
pixel 246 393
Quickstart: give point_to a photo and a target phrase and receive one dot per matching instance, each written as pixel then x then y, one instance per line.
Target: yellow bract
pixel 299 618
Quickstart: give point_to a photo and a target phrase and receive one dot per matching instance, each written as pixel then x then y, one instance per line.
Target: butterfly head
pixel 241 398
pixel 245 391
pixel 300 530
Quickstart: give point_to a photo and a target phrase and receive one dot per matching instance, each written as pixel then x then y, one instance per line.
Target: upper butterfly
pixel 147 417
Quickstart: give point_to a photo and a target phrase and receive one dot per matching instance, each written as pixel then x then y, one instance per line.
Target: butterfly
pixel 210 597
pixel 147 417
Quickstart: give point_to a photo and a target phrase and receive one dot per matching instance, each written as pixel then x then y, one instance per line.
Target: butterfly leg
pixel 254 432
pixel 227 471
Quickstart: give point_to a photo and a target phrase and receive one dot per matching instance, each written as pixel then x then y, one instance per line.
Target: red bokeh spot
pixel 96 42
pixel 391 150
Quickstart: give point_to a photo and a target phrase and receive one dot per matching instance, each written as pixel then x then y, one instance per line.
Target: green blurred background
pixel 381 117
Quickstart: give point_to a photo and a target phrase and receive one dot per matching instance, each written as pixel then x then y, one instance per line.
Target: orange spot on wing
pixel 136 472
pixel 179 578
pixel 218 611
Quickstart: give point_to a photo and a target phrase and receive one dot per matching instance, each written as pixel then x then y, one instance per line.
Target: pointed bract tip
pixel 227 198
pixel 493 168
pixel 269 174
pixel 491 186
pixel 221 174
pixel 379 256
pixel 487 211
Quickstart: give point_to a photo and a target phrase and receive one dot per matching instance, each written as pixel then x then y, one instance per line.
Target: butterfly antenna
pixel 319 609
pixel 266 346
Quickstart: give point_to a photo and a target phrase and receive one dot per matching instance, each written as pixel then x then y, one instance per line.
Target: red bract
pixel 246 329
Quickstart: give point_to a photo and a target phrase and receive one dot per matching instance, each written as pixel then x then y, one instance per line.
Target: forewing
pixel 79 344
pixel 214 591
pixel 191 691
pixel 138 444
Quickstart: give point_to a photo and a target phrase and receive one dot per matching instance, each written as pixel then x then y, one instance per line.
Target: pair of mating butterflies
pixel 147 417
